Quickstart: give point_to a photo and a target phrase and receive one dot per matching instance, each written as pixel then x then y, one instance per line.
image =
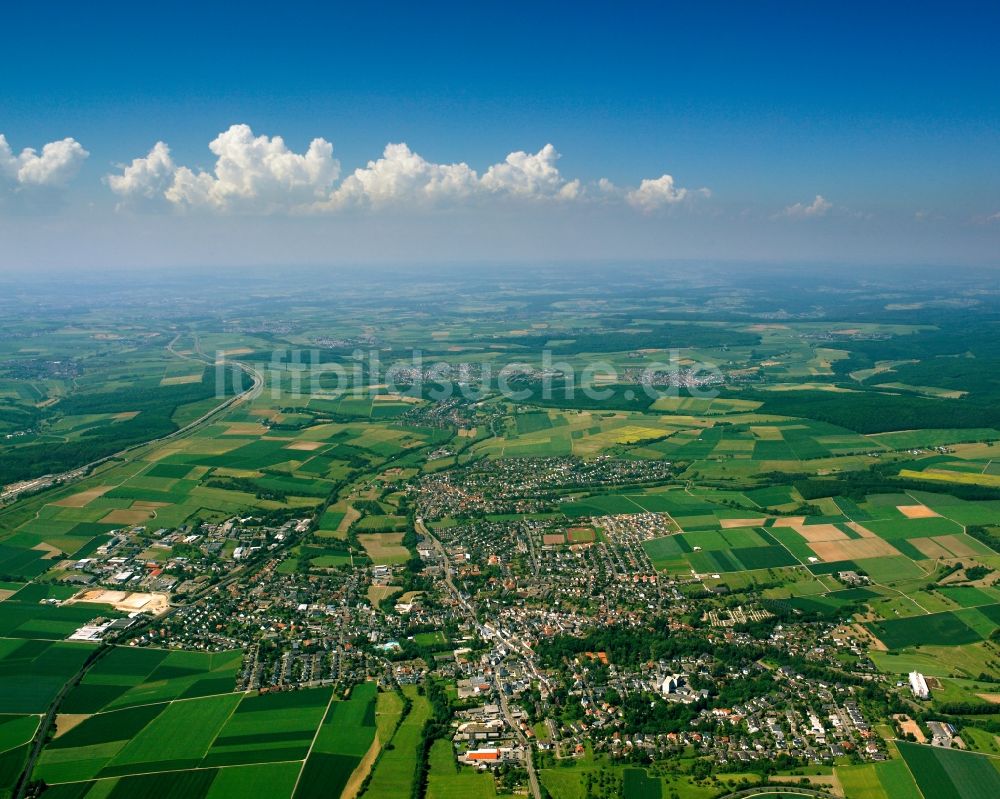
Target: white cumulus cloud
pixel 403 176
pixel 254 171
pixel 818 207
pixel 656 193
pixel 55 165
pixel 147 177
pixel 251 173
pixel 258 174
pixel 530 175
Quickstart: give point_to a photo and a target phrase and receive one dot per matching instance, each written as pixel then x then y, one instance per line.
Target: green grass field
pixel 149 738
pixel 35 670
pixel 446 781
pixel 272 779
pixel 269 728
pixel 128 676
pixel 177 738
pixel 232 731
pixel 16 730
pixel 32 620
pixel 951 774
pixel 637 784
pixel 888 780
pixel 944 629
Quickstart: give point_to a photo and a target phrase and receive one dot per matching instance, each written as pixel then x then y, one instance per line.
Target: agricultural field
pixel 35 670
pixel 951 774
pixel 944 629
pixel 225 468
pixel 212 745
pixel 342 741
pixel 16 733
pixel 446 781
pixel 889 780
pixel 894 540
pixel 384 548
pixel 127 676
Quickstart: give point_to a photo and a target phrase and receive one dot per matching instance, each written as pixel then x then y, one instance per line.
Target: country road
pixel 779 791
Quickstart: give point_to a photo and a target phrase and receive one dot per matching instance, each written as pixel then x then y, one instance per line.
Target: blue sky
pixel 790 131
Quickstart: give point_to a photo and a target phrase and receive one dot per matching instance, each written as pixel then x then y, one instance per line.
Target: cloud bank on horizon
pixel 260 174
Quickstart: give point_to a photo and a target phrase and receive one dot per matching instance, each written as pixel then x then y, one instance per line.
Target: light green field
pixel 395 769
pixel 184 730
pixel 969 661
pixel 888 780
pixel 266 779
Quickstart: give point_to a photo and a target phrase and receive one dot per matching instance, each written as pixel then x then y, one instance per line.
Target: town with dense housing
pixel 785 578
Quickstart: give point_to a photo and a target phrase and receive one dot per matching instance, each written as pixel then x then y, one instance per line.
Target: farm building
pixel 919 685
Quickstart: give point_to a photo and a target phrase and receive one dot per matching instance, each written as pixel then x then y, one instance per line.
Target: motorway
pixel 12 492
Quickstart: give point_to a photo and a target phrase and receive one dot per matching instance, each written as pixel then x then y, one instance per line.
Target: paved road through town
pixel 489 632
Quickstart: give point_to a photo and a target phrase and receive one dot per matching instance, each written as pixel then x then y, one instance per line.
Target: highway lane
pixel 11 493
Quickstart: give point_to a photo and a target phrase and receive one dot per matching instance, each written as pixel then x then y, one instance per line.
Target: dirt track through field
pixel 350 517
